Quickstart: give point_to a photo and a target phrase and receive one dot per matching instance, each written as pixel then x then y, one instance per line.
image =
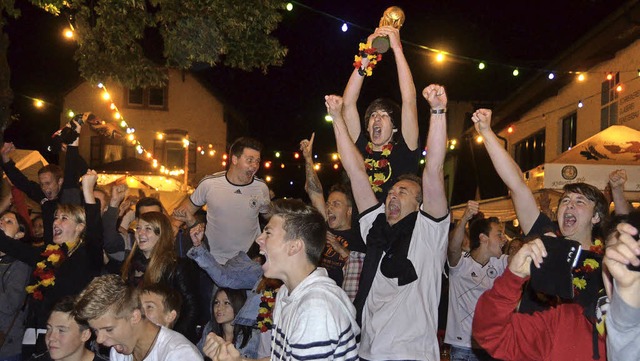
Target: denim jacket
pixel 240 272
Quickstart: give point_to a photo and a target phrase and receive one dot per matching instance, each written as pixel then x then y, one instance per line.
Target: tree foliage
pixel 134 41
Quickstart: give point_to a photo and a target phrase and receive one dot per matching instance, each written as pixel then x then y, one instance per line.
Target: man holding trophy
pixel 388 135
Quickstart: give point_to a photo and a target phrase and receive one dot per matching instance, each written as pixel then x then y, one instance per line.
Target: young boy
pixel 313 317
pixel 66 337
pixel 161 305
pixel 114 312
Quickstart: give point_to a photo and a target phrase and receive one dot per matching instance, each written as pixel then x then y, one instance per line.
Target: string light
pixel 510 129
pixel 580 105
pixel 38 103
pixel 481 64
pixel 619 88
pixel 439 57
pixel 328 118
pixel 277 154
pixel 581 77
pixel 68 33
pixel 609 76
pixel 345 28
pixel 551 76
pixel 296 155
pixel 479 139
pixel 336 166
pixel 516 72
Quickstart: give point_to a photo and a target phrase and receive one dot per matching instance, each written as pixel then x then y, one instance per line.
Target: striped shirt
pixel 316 322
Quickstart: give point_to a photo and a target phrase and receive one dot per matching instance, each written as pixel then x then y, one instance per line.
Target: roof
pixel 613 34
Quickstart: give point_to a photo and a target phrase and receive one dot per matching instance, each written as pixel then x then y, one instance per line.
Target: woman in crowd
pixel 226 305
pixel 153 260
pixel 13 279
pixel 63 267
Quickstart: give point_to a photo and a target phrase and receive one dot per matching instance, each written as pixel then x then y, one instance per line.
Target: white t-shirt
pixel 232 213
pixel 467 281
pixel 169 346
pixel 400 322
pixel 315 322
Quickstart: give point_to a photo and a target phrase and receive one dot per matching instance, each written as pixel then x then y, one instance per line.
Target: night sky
pixel 287 104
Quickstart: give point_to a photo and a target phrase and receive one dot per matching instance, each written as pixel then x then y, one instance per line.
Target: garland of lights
pixel 441 54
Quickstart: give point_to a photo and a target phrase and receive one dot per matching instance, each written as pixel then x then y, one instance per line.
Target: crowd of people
pixel 354 274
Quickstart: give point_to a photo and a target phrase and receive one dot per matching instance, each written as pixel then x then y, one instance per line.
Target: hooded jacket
pixel 315 321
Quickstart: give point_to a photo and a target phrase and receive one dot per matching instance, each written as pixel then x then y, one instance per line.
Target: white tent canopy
pixel 590 161
pixel 29 162
pixel 167 189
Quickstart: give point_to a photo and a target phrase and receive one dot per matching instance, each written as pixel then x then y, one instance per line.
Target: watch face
pixel 569 172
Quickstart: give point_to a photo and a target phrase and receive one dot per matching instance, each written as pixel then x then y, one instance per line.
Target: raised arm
pixel 454 250
pixel 435 199
pixel 312 183
pixel 352 93
pixel 19 180
pixel 523 200
pixel 351 159
pixel 410 128
pixel 623 318
pixel 617 179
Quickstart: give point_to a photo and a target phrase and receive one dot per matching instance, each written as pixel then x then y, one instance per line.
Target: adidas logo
pixel 473 274
pixel 237 192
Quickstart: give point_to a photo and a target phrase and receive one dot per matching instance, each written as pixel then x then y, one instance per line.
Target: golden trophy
pixel 393 16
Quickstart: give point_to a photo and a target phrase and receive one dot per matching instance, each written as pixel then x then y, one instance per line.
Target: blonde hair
pixel 104 294
pixel 76 212
pixel 163 256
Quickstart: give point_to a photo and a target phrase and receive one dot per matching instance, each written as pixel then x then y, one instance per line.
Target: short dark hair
pixel 53 169
pixel 147 202
pixel 237 147
pixel 65 305
pixel 171 299
pixel 392 108
pixel 592 193
pixel 412 178
pixel 478 227
pixel 302 222
pixel 344 189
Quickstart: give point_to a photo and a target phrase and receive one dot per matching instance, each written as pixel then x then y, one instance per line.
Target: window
pixel 136 97
pixel 170 150
pixel 569 124
pixel 529 153
pixel 107 150
pixel 609 101
pixel 155 98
